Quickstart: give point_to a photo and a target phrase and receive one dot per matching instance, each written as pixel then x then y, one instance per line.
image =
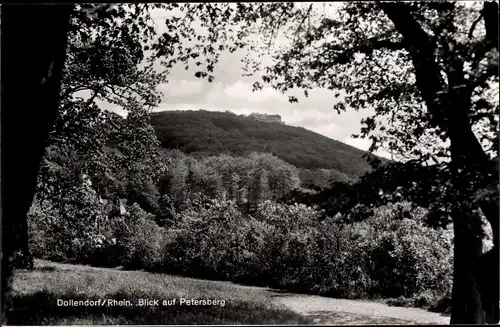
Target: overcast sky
pixel 231 91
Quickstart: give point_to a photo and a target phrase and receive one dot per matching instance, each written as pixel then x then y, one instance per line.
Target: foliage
pixel 141 241
pixel 407 258
pixel 287 217
pixel 386 255
pixel 255 178
pixel 322 178
pixel 373 65
pixel 287 246
pixel 107 57
pixel 206 240
pixel 69 230
pixel 79 172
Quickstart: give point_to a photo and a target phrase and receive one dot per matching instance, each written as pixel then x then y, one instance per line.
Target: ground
pixel 36 295
pixel 325 310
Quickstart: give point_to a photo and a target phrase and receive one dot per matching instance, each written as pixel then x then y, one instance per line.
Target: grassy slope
pixel 36 292
pixel 204 132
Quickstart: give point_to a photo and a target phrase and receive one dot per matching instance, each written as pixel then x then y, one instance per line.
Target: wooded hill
pixel 202 133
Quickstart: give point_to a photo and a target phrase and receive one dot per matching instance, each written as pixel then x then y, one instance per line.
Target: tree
pixel 224 165
pixel 429 70
pixel 83 131
pixel 40 75
pixel 173 181
pixel 259 185
pixel 234 190
pixel 281 176
pixel 141 166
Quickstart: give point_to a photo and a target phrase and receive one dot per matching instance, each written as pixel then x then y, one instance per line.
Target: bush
pixel 140 240
pixel 406 257
pixel 288 217
pixel 42 240
pixel 351 277
pixel 68 232
pixel 207 240
pixel 249 267
pixel 441 304
pixel 392 254
pixel 286 243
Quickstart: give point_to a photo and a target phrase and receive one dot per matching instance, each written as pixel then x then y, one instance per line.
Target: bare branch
pixel 96 93
pixel 473 26
pixel 307 15
pixel 275 28
pixel 146 7
pixel 421 48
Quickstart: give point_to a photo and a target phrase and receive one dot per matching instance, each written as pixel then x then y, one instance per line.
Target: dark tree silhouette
pixel 33 54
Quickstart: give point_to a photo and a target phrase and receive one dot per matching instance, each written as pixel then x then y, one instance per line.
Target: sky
pixel 231 91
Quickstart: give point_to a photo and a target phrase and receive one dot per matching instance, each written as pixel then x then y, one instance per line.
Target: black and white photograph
pixel 250 163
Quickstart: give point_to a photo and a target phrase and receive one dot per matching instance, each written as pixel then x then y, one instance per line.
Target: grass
pixel 432 302
pixel 36 293
pixel 327 317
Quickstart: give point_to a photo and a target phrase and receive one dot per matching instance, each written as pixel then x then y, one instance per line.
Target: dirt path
pixel 325 310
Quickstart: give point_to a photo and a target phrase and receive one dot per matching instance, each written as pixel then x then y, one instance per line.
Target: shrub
pixel 406 257
pixel 41 238
pixel 351 278
pixel 140 240
pixel 301 253
pixel 249 267
pixel 441 304
pixel 207 240
pixel 297 266
pixel 287 217
pixel 392 254
pixel 68 231
pixel 286 243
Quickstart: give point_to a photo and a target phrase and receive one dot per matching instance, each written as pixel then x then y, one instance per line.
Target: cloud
pixel 243 91
pixel 181 89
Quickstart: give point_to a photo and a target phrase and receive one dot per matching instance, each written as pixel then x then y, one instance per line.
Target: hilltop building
pixel 266 118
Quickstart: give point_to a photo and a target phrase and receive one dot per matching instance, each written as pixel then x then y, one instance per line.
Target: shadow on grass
pixel 45 268
pixel 344 318
pixel 278 293
pixel 41 308
pixel 441 305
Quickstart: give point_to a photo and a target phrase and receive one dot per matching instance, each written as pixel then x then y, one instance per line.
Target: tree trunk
pixel 472 167
pixel 475 284
pixel 466 299
pixel 489 285
pixel 33 53
pixel 450 111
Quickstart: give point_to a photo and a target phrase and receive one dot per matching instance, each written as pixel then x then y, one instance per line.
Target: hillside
pixel 206 133
pixel 60 294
